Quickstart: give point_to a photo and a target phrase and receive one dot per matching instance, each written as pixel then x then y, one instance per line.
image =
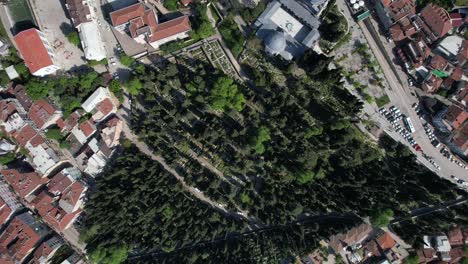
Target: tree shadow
pixel 66 28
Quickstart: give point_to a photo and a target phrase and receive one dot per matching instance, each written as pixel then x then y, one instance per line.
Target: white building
pixel 36 52
pixel 91 41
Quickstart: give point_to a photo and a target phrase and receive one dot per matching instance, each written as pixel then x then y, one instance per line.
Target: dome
pixel 5 147
pixel 275 42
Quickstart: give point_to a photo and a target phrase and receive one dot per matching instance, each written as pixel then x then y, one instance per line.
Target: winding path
pixel 143 147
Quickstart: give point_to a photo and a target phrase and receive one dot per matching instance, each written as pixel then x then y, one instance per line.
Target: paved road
pixel 401 97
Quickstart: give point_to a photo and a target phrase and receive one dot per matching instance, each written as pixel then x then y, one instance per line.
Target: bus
pixel 409 124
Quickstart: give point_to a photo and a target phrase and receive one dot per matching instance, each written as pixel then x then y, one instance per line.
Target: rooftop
pixel 79 12
pixel 24 183
pixel 456 116
pixel 32 49
pixel 438 19
pixel 20 237
pixel 42 112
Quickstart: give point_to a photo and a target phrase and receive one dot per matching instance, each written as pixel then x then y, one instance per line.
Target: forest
pixel 282 151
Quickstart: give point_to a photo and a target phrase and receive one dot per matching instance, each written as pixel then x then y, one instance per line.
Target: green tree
pixel 74 38
pixel 126 60
pixel 38 89
pixel 7 158
pixel 22 70
pixel 115 86
pixel 4 80
pixel 224 95
pixel 263 135
pixel 202 27
pixel 54 133
pixel 134 86
pixel 111 255
pixel 171 4
pixel 381 218
pixel 411 259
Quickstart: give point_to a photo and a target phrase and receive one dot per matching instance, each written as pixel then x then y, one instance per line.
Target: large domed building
pixel 275 42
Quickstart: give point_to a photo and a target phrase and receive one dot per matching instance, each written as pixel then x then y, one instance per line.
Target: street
pixel 402 97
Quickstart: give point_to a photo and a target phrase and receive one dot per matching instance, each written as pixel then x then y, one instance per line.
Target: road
pixel 402 97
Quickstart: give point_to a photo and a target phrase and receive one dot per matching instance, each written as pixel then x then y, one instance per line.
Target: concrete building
pixel 450 47
pixel 459 140
pixel 100 104
pixel 437 22
pixel 36 51
pixel 44 114
pixel 288 28
pixel 143 25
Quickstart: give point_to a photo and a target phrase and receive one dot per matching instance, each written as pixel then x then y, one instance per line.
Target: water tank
pixel 361 3
pixel 356 6
pixel 353 2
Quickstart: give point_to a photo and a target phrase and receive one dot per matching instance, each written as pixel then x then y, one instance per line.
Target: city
pixel 233 131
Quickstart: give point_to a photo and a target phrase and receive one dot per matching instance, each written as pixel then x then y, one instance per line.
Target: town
pixel 83 83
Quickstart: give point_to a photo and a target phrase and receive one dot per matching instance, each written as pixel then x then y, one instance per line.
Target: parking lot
pixel 53 21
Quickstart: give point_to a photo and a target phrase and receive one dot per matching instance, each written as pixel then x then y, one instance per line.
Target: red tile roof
pixel 438 62
pixel 44 204
pixel 32 50
pixel 456 19
pixel 68 124
pixel 41 253
pixel 126 14
pixel 437 18
pixel 142 20
pixel 105 107
pixel 41 112
pixel 170 28
pixel 463 52
pixel 5 212
pixel 456 116
pixel 455 237
pixel 19 92
pixel 18 240
pixel 386 241
pixel 24 135
pixel 87 128
pixel 401 8
pixel 22 183
pixel 6 109
pixel 457 74
pixel 460 138
pixel 73 194
pixel 59 183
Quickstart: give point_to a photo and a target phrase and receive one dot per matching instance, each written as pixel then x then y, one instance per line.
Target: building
pixel 36 51
pixel 391 12
pixel 84 131
pixel 143 25
pixel 441 245
pixel 79 11
pixel 437 20
pixel 459 140
pixel 9 204
pixel 450 47
pixel 20 237
pixel 4 46
pixel 100 104
pixel 90 35
pixel 11 72
pixel 25 184
pixel 454 117
pixel 288 28
pixel 44 114
pixel 110 134
pixel 46 250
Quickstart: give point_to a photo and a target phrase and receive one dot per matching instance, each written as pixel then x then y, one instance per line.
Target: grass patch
pixel 176 45
pixel 382 100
